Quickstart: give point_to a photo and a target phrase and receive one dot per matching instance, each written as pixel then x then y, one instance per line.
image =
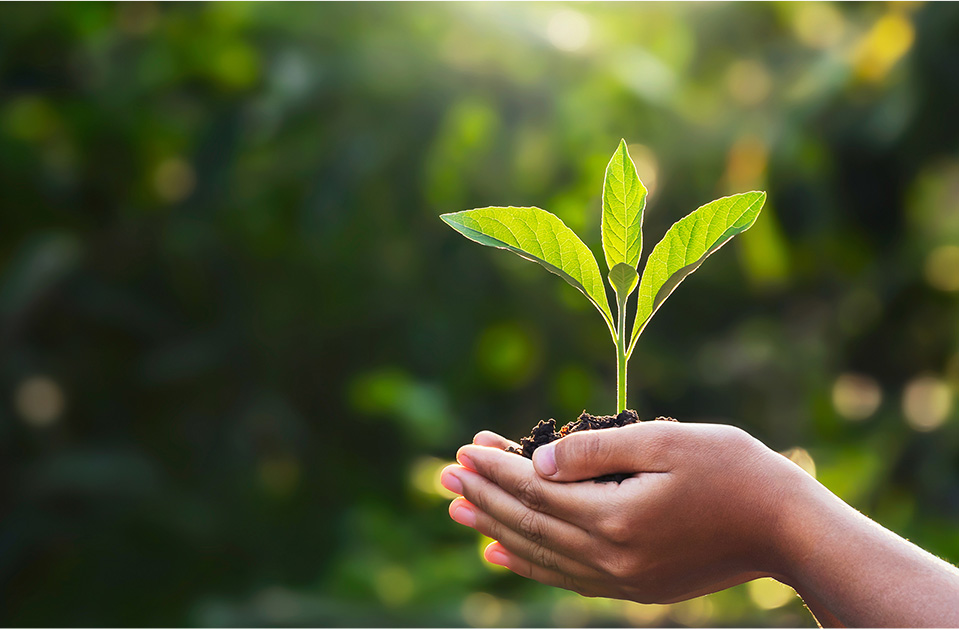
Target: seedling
pixel 537 235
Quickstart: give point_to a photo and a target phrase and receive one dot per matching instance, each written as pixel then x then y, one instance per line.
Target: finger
pixel 646 447
pixel 490 439
pixel 498 554
pixel 579 504
pixel 549 549
pixel 538 526
pixel 451 480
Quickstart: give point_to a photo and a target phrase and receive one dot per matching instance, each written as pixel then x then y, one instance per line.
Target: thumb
pixel 645 447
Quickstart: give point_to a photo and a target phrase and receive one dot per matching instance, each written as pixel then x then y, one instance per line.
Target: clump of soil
pixel 545 432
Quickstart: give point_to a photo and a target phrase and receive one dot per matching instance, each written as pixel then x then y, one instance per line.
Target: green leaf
pixel 539 236
pixel 684 247
pixel 623 278
pixel 624 197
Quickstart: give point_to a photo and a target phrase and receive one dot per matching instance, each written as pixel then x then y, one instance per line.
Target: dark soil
pixel 545 432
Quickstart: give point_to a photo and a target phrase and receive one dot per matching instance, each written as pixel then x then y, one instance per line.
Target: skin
pixel 708 507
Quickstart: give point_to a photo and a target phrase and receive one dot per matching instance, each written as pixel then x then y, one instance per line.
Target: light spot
pixel 818 24
pixel 419 408
pixel 746 162
pixel 877 52
pixel 39 400
pixel 511 614
pixel 291 74
pixel 508 354
pixel 394 585
pixel 926 402
pixel 856 396
pixel 692 613
pixel 174 180
pixel 942 268
pixel 236 65
pixel 480 609
pixel 651 79
pixel 769 593
pixel 568 30
pixel 803 459
pixel 425 477
pixel 748 82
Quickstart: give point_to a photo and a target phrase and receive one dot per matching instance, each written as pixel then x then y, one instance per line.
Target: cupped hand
pixel 700 513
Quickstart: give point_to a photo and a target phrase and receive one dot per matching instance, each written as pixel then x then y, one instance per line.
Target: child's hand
pixel 701 513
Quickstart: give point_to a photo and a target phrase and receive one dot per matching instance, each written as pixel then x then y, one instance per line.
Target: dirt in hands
pixel 545 432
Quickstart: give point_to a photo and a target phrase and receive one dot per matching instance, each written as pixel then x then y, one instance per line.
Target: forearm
pixel 853 572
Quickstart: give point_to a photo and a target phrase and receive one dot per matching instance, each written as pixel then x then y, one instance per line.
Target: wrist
pixel 807 513
pixel 794 515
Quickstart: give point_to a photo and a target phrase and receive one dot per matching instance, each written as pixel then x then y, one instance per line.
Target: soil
pixel 545 432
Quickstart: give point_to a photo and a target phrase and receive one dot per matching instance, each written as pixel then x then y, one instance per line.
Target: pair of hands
pixel 703 511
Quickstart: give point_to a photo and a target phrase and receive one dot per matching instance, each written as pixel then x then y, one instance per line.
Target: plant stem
pixel 621 358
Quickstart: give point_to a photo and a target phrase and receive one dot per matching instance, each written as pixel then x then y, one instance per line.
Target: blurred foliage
pixel 237 344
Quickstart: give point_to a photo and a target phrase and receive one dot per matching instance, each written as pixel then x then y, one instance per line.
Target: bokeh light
pixel 886 42
pixel 749 82
pixel 942 268
pixel 508 354
pixel 394 585
pixel 568 30
pixel 818 24
pixel 926 402
pixel 769 593
pixel 693 612
pixel 856 396
pixel 481 609
pixel 174 180
pixel 425 476
pixel 802 458
pixel 39 400
pixel 746 162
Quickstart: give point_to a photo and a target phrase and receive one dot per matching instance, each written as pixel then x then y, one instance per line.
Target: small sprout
pixel 539 236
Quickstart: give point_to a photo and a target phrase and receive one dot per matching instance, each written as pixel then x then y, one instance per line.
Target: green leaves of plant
pixel 623 278
pixel 686 244
pixel 539 236
pixel 624 197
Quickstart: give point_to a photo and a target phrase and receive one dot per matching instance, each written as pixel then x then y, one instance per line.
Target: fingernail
pixel 544 460
pixel 451 482
pixel 464 515
pixel 495 556
pixel 465 461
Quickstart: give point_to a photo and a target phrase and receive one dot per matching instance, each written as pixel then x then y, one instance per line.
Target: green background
pixel 237 344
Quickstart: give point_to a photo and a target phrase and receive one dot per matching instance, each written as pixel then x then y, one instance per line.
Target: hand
pixel 701 514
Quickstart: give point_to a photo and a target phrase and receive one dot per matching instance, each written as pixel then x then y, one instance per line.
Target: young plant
pixel 537 235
